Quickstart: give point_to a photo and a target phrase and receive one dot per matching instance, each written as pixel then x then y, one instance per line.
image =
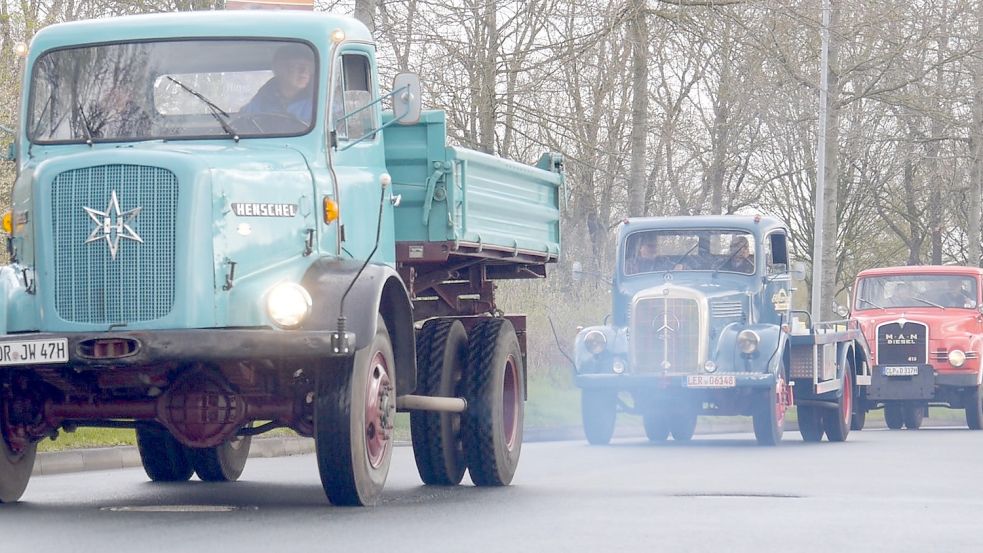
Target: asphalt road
pixel 879 491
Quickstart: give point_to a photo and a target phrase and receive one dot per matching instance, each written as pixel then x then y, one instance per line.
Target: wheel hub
pixel 380 411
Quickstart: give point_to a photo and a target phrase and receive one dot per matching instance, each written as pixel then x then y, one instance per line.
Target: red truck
pixel 924 325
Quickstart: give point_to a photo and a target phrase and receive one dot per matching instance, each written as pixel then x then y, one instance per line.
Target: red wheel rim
pixel 378 407
pixel 780 402
pixel 510 403
pixel 847 398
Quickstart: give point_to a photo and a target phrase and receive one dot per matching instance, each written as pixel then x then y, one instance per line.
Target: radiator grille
pixel 666 331
pixel 90 285
pixel 902 343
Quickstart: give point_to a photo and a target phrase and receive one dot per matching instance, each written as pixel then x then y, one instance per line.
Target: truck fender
pixel 379 289
pixel 768 356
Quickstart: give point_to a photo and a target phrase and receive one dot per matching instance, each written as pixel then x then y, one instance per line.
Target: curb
pixel 120 457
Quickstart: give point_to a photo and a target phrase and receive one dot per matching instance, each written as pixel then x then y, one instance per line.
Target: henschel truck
pixel 190 262
pixel 702 324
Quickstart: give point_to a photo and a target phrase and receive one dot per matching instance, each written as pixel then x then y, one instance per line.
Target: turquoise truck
pixel 216 230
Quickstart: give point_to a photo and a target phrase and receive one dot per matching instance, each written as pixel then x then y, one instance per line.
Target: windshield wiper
pixel 218 113
pixel 85 124
pixel 867 301
pixel 684 256
pixel 923 300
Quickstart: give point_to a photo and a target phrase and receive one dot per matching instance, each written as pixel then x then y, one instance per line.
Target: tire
pixel 893 415
pixel 493 384
pixel 353 420
pixel 914 414
pixel 223 463
pixel 656 423
pixel 441 355
pixel 768 415
pixel 598 412
pixel 973 400
pixel 15 468
pixel 164 459
pixel 859 417
pixel 837 422
pixel 682 424
pixel 810 422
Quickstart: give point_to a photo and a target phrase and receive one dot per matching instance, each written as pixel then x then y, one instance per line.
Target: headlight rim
pixel 748 341
pixel 959 354
pixel 600 346
pixel 304 296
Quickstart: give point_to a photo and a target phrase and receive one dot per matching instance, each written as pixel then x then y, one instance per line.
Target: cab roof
pixel 922 270
pixel 756 224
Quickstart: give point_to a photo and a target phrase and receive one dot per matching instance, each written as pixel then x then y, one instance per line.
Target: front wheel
pixel 893 416
pixel 598 411
pixel 15 468
pixel 493 386
pixel 973 400
pixel 768 415
pixel 353 423
pixel 223 463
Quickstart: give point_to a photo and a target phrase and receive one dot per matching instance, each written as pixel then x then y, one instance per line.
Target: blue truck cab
pixel 702 323
pixel 217 229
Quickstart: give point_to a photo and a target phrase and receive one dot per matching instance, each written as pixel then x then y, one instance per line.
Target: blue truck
pixel 217 230
pixel 702 324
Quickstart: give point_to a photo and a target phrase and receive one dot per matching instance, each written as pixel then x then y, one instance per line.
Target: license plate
pixel 34 352
pixel 899 371
pixel 711 381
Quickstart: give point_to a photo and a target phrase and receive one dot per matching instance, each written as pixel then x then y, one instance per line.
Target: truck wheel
pixel 493 387
pixel 164 459
pixel 810 422
pixel 859 417
pixel 15 468
pixel 682 424
pixel 223 463
pixel 353 423
pixel 973 400
pixel 656 423
pixel 768 416
pixel 837 422
pixel 441 354
pixel 598 411
pixel 914 413
pixel 893 415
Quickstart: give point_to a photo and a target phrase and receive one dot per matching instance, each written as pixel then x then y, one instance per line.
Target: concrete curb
pixel 112 458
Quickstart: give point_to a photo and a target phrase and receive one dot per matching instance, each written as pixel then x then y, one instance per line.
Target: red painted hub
pixel 379 411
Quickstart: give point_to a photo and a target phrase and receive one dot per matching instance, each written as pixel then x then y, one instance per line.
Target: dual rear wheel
pixel 164 459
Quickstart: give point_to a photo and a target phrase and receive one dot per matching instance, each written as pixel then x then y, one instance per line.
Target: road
pixel 879 491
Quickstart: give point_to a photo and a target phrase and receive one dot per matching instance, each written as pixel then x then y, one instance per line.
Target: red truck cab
pixel 924 326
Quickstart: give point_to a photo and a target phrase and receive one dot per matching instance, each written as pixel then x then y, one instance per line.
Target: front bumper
pixel 921 386
pixel 153 347
pixel 633 382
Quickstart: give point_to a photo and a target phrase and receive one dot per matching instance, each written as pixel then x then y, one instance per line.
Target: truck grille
pixel 666 331
pixel 90 286
pixel 902 344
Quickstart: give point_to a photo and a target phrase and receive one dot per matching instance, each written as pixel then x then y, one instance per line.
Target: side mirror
pixel 406 98
pixel 799 270
pixel 577 271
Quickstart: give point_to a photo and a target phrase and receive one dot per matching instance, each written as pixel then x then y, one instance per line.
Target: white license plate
pixel 34 352
pixel 900 371
pixel 711 381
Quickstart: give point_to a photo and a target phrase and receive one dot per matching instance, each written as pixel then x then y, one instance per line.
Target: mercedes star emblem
pixel 113 224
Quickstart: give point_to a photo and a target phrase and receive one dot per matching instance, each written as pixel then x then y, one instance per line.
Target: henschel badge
pixel 112 225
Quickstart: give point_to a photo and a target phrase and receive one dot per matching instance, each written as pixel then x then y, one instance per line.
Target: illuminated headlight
pixel 710 367
pixel 288 304
pixel 618 366
pixel 747 341
pixel 595 342
pixel 957 357
pixel 842 311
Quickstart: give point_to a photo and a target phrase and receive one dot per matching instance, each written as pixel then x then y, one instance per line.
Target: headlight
pixel 710 367
pixel 747 341
pixel 842 311
pixel 618 366
pixel 957 357
pixel 595 341
pixel 288 304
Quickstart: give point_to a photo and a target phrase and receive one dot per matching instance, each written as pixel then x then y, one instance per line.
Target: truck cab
pixel 925 330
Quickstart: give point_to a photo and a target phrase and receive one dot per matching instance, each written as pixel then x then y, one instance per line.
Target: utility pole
pixel 817 247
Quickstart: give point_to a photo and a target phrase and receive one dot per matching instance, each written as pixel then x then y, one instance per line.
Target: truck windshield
pixel 173 90
pixel 689 250
pixel 941 291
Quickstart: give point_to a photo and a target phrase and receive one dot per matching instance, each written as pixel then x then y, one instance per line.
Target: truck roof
pixel 922 269
pixel 759 224
pixel 315 27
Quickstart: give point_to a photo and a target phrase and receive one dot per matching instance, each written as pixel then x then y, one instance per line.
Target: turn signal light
pixel 330 210
pixel 8 222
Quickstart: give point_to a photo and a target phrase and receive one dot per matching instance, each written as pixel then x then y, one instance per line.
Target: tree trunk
pixel 639 112
pixel 365 12
pixel 721 127
pixel 976 145
pixel 830 187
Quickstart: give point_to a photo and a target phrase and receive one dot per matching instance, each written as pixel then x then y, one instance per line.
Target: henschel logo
pixel 112 225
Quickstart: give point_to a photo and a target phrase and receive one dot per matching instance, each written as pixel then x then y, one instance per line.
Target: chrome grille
pixel 138 285
pixel 902 343
pixel 666 330
pixel 726 309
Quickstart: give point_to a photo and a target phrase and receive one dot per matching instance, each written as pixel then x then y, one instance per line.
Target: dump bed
pixel 456 200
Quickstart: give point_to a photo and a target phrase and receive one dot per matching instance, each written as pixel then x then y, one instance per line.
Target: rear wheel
pixel 859 417
pixel 164 459
pixel 15 468
pixel 893 415
pixel 493 385
pixel 598 411
pixel 656 423
pixel 682 424
pixel 353 423
pixel 810 422
pixel 973 400
pixel 914 414
pixel 441 354
pixel 223 463
pixel 837 422
pixel 769 415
